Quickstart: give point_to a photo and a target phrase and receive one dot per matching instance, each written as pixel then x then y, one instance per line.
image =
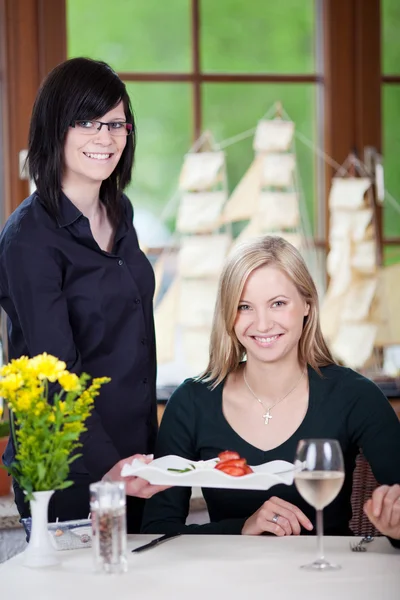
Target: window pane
pixel 390 36
pixel 230 109
pixel 132 35
pixel 391 255
pixel 391 153
pixel 163 118
pixel 261 36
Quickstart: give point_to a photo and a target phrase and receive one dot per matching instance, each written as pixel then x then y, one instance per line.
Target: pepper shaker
pixel 108 514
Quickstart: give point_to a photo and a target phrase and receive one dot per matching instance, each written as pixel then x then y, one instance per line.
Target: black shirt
pixel 343 405
pixel 93 309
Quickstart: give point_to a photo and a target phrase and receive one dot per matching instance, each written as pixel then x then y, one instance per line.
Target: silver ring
pixel 275 518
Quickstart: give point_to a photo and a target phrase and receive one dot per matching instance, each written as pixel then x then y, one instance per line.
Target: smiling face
pixel 92 158
pixel 270 316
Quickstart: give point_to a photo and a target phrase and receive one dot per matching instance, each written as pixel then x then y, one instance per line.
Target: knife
pixel 156 542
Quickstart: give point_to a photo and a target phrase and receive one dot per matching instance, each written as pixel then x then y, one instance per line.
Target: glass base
pixel 321 565
pixel 120 567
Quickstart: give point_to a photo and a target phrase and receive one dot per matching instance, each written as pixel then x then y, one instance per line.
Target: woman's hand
pixel 134 486
pixel 278 517
pixel 383 510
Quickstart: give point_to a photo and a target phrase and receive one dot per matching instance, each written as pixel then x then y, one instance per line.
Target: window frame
pixel 196 77
pixel 33 35
pixel 349 36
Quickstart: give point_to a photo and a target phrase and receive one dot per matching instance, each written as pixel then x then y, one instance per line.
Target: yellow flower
pixel 98 382
pixel 46 366
pixel 45 426
pixel 10 384
pixel 23 402
pixel 40 407
pixel 75 427
pixel 17 365
pixel 69 382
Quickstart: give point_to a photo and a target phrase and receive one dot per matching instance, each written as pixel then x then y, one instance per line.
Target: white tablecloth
pixel 211 567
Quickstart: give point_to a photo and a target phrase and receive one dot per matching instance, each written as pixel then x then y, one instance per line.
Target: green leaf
pixel 180 470
pixel 64 485
pixel 69 436
pixel 41 471
pixel 74 457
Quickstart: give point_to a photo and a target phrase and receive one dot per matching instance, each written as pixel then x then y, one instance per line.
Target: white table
pixel 211 567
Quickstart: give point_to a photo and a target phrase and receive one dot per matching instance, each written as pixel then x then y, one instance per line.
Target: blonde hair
pixel 226 352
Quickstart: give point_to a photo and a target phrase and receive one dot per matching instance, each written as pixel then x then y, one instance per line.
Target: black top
pixel 342 405
pixel 93 309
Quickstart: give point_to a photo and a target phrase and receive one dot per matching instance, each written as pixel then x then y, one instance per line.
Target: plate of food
pixel 228 470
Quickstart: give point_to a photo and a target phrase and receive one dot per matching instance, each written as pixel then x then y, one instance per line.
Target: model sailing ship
pixel 183 316
pixel 266 198
pixel 361 304
pixel 266 201
pixel 269 197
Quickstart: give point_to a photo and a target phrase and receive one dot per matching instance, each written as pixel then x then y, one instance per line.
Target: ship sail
pixel 356 311
pixel 183 315
pixel 267 197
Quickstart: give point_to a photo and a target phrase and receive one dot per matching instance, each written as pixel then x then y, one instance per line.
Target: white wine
pixel 319 488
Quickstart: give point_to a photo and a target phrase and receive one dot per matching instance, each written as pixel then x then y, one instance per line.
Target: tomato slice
pixel 238 462
pixel 228 455
pixel 232 464
pixel 233 471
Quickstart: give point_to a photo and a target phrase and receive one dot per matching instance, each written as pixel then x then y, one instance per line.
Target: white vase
pixel 40 551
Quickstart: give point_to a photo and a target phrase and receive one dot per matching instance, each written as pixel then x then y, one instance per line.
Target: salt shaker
pixel 108 509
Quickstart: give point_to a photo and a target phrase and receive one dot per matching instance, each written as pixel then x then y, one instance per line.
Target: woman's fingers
pixel 283 517
pixel 395 518
pixel 278 517
pixel 377 500
pixel 274 528
pixel 114 474
pixel 265 522
pixel 383 510
pixel 135 486
pixel 299 516
pixel 368 509
pixel 391 505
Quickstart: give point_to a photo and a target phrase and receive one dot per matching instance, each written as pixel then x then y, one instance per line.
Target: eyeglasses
pixel 120 128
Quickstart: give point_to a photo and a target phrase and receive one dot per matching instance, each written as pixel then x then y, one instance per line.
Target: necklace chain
pixel 267 416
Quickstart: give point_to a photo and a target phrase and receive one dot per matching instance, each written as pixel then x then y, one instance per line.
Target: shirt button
pixel 120 262
pixel 137 300
pixel 145 380
pixel 143 340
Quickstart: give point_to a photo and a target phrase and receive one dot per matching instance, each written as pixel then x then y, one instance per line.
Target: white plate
pixel 204 474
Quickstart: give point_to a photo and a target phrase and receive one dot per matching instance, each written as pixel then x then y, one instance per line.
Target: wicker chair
pixel 364 484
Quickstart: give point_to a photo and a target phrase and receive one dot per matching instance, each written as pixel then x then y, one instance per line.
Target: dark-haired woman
pixel 73 280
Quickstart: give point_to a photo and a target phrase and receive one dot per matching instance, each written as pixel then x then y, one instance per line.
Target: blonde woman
pixel 271 381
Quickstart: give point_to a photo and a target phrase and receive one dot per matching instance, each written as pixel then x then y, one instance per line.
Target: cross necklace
pixel 267 416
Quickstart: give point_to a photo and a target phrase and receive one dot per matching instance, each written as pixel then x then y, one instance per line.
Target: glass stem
pixel 320 535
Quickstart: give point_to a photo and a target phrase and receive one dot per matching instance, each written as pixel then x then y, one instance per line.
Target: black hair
pixel 77 89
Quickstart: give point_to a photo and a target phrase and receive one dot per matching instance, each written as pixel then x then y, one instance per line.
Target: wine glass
pixel 319 478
